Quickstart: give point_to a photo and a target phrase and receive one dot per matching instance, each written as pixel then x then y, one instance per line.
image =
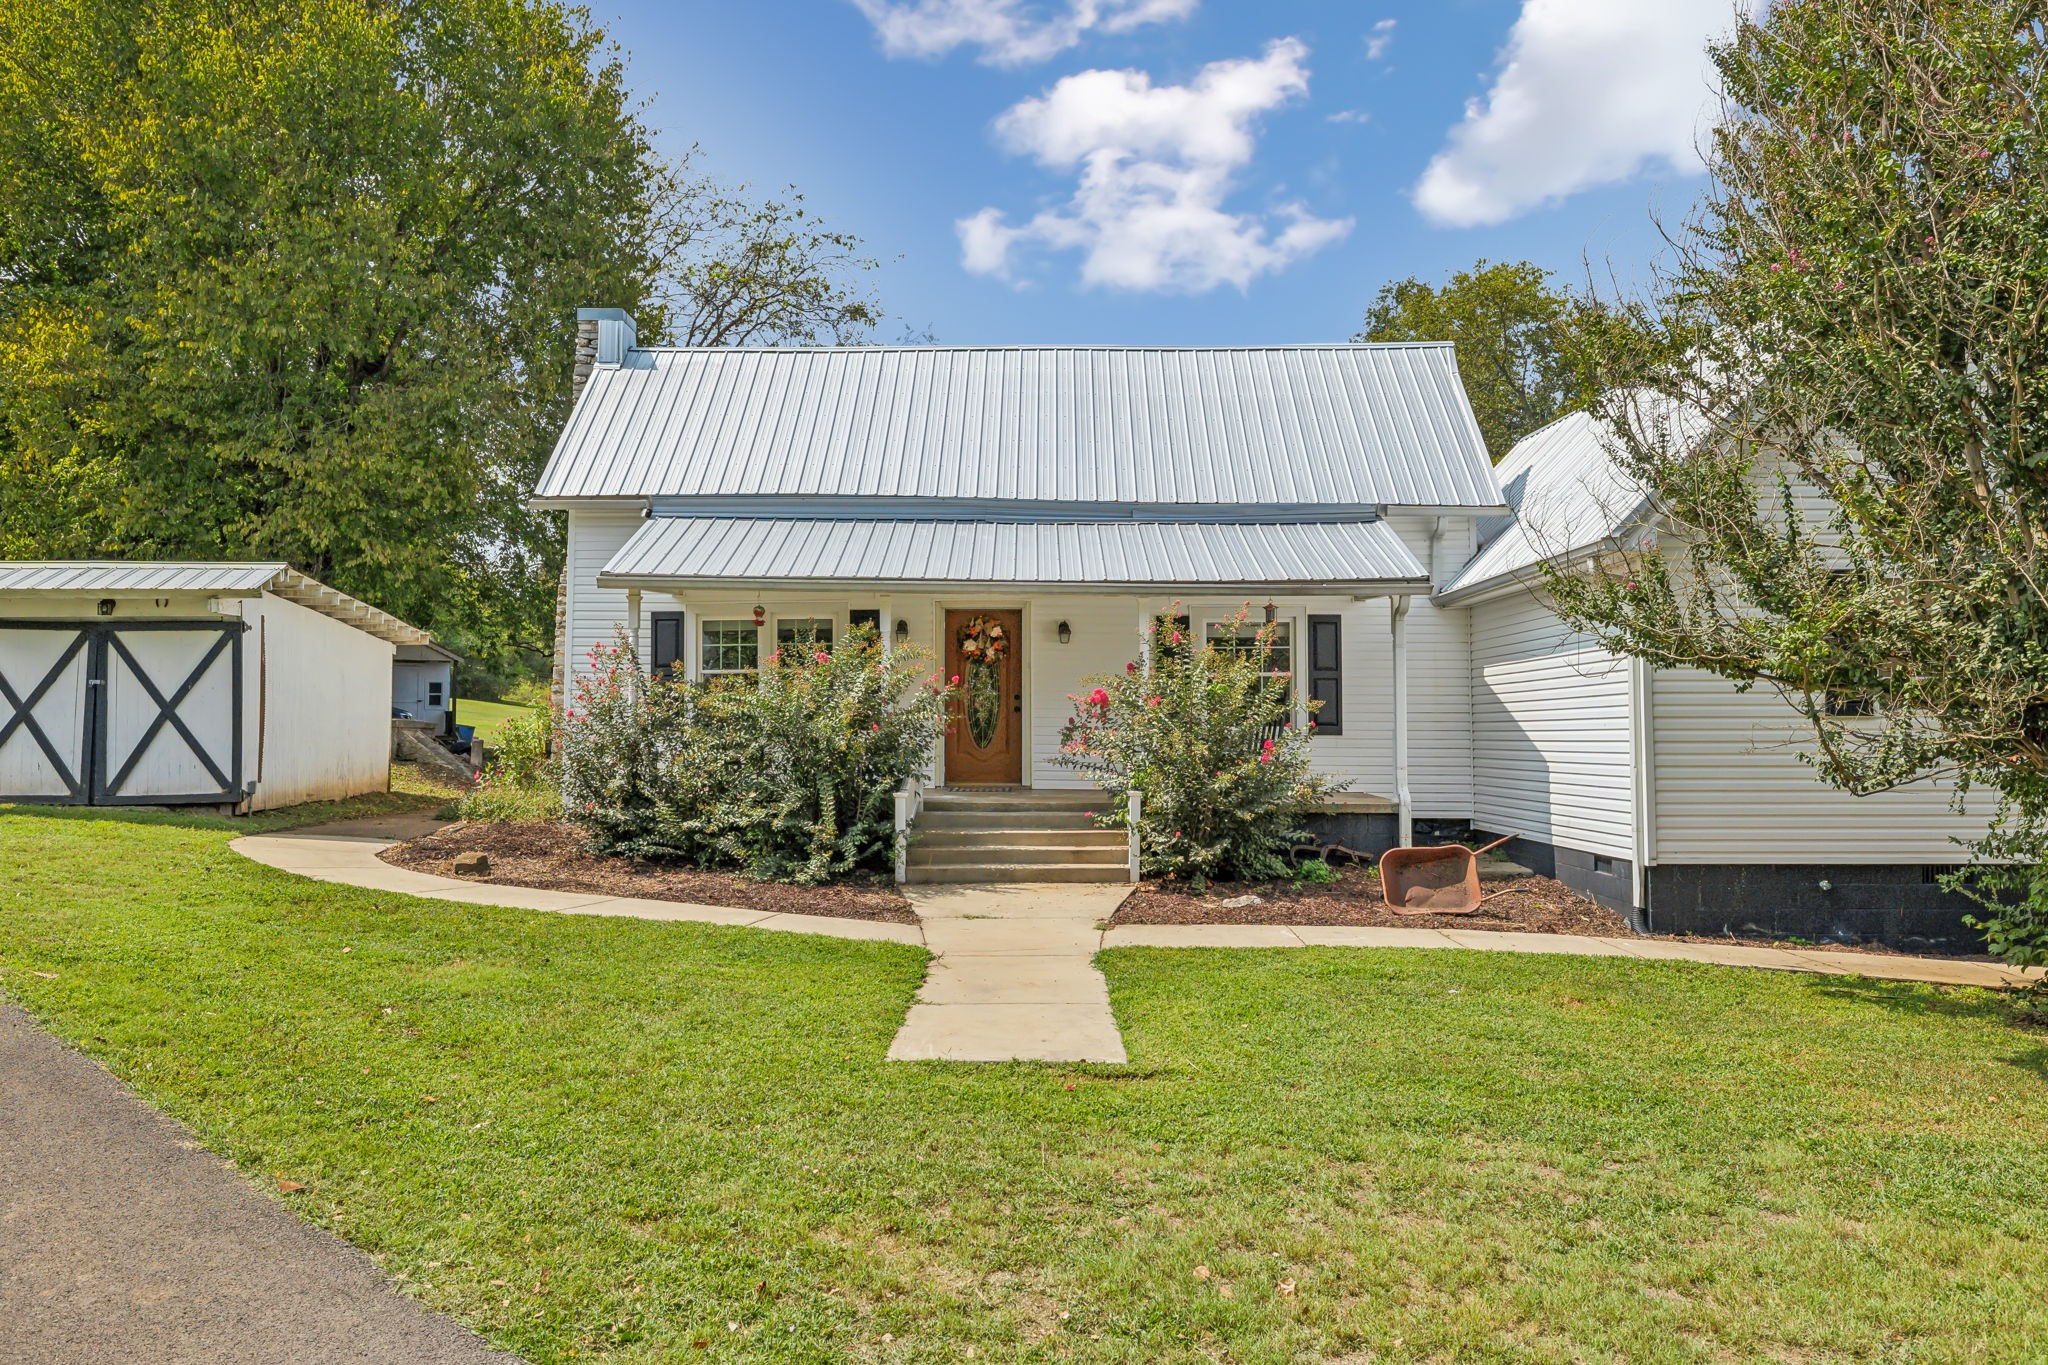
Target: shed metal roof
pixel 1567 494
pixel 1349 425
pixel 228 579
pixel 1102 556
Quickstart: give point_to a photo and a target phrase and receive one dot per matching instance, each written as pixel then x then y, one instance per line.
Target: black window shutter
pixel 666 653
pixel 1326 672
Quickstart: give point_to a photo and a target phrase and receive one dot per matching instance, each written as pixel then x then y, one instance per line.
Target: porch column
pixel 1401 794
pixel 633 627
pixel 1144 640
pixel 888 627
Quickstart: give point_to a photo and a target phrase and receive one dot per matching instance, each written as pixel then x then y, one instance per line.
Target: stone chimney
pixel 603 336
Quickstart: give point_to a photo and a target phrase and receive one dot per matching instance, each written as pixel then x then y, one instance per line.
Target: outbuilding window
pixel 434 694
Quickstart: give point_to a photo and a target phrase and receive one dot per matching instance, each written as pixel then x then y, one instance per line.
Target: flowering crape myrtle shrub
pixel 790 776
pixel 1207 737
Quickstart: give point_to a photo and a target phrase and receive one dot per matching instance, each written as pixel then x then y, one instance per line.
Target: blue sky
pixel 1199 172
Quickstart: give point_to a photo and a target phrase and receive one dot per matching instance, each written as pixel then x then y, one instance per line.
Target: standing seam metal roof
pixel 1337 555
pixel 1350 425
pixel 246 580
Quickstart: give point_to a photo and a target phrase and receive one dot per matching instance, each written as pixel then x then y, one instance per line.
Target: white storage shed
pixel 247 686
pixel 423 682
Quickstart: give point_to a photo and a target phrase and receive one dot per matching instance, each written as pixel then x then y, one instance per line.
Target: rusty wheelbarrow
pixel 1439 880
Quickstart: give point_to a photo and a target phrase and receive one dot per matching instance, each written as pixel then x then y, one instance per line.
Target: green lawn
pixel 612 1139
pixel 486 716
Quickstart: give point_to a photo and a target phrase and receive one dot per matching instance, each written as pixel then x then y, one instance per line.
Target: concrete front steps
pixel 1014 835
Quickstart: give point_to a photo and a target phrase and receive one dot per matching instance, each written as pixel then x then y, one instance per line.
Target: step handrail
pixel 909 803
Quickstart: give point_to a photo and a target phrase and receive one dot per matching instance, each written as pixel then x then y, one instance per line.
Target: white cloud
pixel 1588 92
pixel 1008 32
pixel 1378 39
pixel 1155 165
pixel 1350 116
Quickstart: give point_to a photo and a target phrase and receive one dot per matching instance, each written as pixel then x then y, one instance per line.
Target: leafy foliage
pixel 1207 737
pixel 1860 299
pixel 523 780
pixel 297 281
pixel 791 776
pixel 1519 341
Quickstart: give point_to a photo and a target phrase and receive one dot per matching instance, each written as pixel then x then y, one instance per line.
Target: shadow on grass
pixel 264 822
pixel 1924 998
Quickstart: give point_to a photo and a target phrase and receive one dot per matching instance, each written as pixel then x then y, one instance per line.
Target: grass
pixel 652 1142
pixel 486 716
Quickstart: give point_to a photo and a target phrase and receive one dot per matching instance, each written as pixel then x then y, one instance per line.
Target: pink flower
pixel 876 726
pixel 1267 746
pixel 1265 758
pixel 1131 667
pixel 1098 697
pixel 822 657
pixel 1176 637
pixel 956 680
pixel 1153 701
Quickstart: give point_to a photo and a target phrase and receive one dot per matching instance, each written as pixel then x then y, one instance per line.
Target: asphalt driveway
pixel 122 1239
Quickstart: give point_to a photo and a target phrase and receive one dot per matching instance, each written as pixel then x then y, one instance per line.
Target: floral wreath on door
pixel 983 645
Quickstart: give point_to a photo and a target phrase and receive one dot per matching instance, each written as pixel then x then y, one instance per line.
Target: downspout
pixel 1401 792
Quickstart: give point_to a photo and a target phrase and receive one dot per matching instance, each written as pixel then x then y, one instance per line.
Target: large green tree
pixel 1518 339
pixel 1864 496
pixel 296 279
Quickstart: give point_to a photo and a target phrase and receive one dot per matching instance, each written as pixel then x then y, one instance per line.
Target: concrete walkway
pixel 1013 976
pixel 347 852
pixel 122 1239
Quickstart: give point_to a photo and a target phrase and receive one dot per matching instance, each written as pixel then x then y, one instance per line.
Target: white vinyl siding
pixel 1551 754
pixel 594 536
pixel 1731 788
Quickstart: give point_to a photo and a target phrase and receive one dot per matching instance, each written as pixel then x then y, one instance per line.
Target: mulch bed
pixel 551 855
pixel 1534 904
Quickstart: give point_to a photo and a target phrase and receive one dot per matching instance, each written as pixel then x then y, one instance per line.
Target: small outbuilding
pixel 246 686
pixel 423 682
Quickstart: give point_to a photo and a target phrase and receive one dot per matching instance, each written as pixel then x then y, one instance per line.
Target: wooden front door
pixel 985 730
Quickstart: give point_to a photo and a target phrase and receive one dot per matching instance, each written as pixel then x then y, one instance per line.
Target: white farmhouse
pixel 723 502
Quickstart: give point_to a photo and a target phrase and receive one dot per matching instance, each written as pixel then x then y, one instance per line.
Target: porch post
pixel 1144 640
pixel 633 626
pixel 1401 793
pixel 888 627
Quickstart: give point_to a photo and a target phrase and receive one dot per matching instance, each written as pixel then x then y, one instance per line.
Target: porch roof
pixel 1338 556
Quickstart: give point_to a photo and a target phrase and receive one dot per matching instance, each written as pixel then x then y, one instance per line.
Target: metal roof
pixel 1350 425
pixel 231 579
pixel 1336 556
pixel 1567 493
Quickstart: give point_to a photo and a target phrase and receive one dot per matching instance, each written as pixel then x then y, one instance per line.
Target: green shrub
pixel 1207 736
pixel 790 776
pixel 521 781
pixel 1315 872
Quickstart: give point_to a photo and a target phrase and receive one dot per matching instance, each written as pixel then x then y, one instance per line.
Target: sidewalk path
pixel 1013 975
pixel 122 1239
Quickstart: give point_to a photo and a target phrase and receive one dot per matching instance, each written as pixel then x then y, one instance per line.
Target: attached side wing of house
pixel 1668 792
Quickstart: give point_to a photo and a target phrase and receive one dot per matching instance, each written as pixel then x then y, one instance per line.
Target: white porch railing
pixel 1134 811
pixel 909 803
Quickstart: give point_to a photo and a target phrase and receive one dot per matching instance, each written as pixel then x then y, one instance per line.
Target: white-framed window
pixel 791 630
pixel 434 693
pixel 730 648
pixel 1243 637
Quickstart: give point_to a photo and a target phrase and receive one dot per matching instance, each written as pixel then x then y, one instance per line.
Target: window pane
pixel 1245 639
pixel 731 647
pixel 792 629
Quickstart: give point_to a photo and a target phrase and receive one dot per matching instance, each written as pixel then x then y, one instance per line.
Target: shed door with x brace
pixel 128 713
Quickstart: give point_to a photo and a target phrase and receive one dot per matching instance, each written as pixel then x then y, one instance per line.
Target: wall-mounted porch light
pixel 1066 633
pixel 902 630
pixel 106 606
pixel 1272 613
